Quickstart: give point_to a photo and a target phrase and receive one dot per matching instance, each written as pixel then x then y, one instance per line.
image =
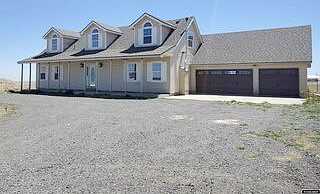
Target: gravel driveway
pixel 78 144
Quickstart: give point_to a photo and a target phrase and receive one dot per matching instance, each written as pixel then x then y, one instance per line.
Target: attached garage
pixel 279 82
pixel 225 81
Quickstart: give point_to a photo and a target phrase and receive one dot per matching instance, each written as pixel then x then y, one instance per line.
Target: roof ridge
pixel 259 30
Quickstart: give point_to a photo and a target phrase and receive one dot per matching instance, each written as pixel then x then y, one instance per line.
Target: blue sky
pixel 25 21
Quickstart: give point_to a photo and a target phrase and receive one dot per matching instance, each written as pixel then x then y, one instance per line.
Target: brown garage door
pixel 229 82
pixel 279 82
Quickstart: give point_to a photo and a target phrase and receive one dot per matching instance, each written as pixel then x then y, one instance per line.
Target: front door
pixel 91 77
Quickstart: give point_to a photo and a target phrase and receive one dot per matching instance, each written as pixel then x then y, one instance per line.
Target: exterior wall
pixel 156 87
pixel 301 66
pixel 60 42
pixel 103 74
pixel 181 57
pixel 106 38
pixel 115 81
pixel 43 84
pixel 76 76
pixel 117 75
pixel 138 29
pixel 196 40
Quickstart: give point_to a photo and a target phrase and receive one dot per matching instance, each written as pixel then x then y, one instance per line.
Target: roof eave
pixel 88 59
pixel 52 29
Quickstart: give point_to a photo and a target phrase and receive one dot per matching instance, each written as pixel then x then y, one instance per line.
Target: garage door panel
pixel 279 82
pixel 232 82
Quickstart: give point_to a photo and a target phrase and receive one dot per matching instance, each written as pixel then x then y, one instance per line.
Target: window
pixel 95 38
pixel 147 33
pixel 132 72
pixel 43 72
pixel 156 72
pixel 190 39
pixel 42 76
pixel 54 43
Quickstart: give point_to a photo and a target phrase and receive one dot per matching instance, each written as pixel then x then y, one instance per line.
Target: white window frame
pixel 190 34
pixel 163 71
pixel 129 71
pixel 54 37
pixel 145 28
pixel 91 37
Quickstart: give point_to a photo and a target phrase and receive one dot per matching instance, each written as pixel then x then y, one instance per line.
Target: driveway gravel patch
pixel 78 144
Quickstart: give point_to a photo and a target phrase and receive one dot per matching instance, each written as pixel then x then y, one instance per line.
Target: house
pixel 153 55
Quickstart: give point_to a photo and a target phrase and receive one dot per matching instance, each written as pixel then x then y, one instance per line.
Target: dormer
pixel 97 36
pixel 150 31
pixel 58 39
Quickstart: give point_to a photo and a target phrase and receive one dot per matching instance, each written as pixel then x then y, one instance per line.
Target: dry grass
pixel 313 87
pixel 9 85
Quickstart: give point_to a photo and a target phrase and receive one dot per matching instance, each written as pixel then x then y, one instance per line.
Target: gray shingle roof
pixel 273 45
pixel 108 27
pixel 68 33
pixel 121 47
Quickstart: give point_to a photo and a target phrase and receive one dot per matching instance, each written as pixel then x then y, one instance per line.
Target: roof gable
pixel 104 27
pixel 63 33
pixel 146 15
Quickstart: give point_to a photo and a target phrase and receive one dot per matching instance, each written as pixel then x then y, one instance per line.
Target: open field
pixel 89 145
pixel 6 85
pixel 314 87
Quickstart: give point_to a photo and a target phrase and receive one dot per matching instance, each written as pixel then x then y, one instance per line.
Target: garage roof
pixel 274 45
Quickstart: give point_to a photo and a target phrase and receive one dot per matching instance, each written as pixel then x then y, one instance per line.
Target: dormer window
pixel 190 39
pixel 54 43
pixel 95 38
pixel 147 33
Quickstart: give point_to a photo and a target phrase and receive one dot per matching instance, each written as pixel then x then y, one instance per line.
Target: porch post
pixel 142 76
pixel 29 77
pixel 125 77
pixel 110 76
pixel 21 83
pixel 69 76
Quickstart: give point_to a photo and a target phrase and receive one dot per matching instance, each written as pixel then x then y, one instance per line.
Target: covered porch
pixel 103 76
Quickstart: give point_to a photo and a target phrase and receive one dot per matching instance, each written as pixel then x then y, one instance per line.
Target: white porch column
pixel 29 77
pixel 110 74
pixel 186 82
pixel 84 76
pixel 68 76
pixel 49 75
pixel 141 76
pixel 21 83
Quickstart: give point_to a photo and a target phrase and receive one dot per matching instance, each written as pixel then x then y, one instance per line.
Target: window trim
pixel 148 27
pixel 91 37
pixel 137 72
pixel 163 72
